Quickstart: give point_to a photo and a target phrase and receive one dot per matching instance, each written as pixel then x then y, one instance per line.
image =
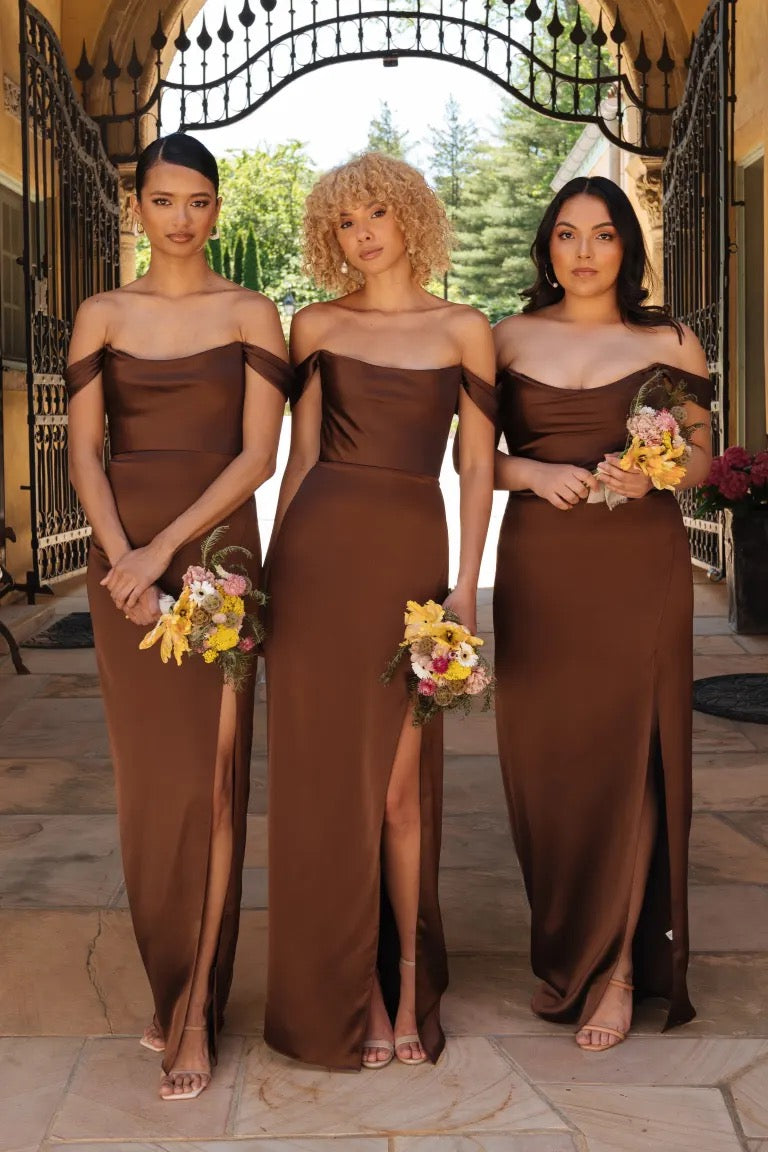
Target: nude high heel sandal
pixel 620 1036
pixel 400 1041
pixel 171 1076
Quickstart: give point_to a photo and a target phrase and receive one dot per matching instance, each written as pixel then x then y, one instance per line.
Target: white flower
pixel 420 665
pixel 165 603
pixel 465 655
pixel 199 589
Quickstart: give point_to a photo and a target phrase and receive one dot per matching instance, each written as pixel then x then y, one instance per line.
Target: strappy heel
pixel 176 1072
pixel 146 1040
pixel 401 1041
pixel 387 1045
pixel 620 1036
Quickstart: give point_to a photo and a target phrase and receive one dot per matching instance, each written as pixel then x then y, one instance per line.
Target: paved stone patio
pixel 73 997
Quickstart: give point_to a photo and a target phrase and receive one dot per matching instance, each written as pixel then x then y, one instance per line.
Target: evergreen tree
pixel 237 264
pixel 453 159
pixel 251 270
pixel 227 262
pixel 383 135
pixel 213 254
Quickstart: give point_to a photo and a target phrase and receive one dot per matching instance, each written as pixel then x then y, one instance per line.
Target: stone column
pixel 127 234
pixel 648 191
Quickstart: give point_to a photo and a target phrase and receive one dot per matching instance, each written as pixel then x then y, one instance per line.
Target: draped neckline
pixel 610 384
pixel 187 356
pixel 370 364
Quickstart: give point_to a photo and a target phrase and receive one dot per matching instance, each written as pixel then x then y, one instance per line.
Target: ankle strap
pixel 409 963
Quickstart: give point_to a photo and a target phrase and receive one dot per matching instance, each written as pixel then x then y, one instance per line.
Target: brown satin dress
pixel 593 620
pixel 365 533
pixel 174 426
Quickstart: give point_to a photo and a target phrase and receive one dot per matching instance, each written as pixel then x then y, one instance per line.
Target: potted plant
pixel 737 485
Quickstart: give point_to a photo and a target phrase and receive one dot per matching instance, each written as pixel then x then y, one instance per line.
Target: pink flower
pixel 477 681
pixel 197 574
pixel 440 664
pixel 759 470
pixel 426 688
pixel 736 457
pixel 247 644
pixel 219 617
pixel 235 585
pixel 734 485
pixel 666 421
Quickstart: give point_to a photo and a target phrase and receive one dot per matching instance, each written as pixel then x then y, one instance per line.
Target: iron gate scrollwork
pixel 71 250
pixel 697 202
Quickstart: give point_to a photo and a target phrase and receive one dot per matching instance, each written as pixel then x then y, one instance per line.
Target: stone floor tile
pixel 752 824
pixel 757 734
pixel 65 661
pixel 717 646
pixel 58 861
pixel 631 1119
pixel 731 781
pixel 505 1142
pixel 470 735
pixel 720 853
pixel 757 1145
pixel 114 1096
pixel 710 599
pixel 245 1010
pixel 730 993
pixel 711 626
pixel 728 918
pixel 483 912
pixel 756 644
pixel 15 690
pixel 473 784
pixel 77 684
pixel 490 996
pixel 471 1088
pixel 480 841
pixel 33 1076
pixel 254 888
pixel 45 727
pixel 49 785
pixel 259 729
pixel 750 1095
pixel 716 734
pixel 355 1144
pixel 704 666
pixel 649 1060
pixel 256 842
pixel 257 801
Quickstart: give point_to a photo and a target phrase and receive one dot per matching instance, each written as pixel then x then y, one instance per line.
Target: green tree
pixel 251 262
pixel 453 159
pixel 239 257
pixel 226 263
pixel 213 252
pixel 384 136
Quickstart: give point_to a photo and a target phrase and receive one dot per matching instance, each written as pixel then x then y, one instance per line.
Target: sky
pixel 330 110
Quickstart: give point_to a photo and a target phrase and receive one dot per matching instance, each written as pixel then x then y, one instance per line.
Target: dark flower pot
pixel 746 554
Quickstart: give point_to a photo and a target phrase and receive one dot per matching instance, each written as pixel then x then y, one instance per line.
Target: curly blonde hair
pixel 375 176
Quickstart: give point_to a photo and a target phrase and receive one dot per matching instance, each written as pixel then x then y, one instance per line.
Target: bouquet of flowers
pixel 658 438
pixel 738 480
pixel 446 670
pixel 209 618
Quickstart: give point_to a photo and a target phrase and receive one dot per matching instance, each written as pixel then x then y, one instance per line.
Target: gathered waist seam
pixel 422 476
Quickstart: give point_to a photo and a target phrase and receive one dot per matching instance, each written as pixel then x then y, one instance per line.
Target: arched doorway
pixel 627 83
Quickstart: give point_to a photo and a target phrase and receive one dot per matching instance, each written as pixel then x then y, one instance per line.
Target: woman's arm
pixel 306 415
pixel 476 450
pixel 262 416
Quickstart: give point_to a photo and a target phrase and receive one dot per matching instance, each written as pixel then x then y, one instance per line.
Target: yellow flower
pixel 456 671
pixel 223 639
pixel 420 617
pixel 233 604
pixel 210 655
pixel 171 630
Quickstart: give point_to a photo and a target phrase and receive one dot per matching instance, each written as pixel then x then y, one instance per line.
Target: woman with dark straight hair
pixel 190 372
pixel 593 617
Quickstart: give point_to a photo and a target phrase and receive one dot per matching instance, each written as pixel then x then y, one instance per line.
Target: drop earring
pixel 551 280
pixel 138 227
pixel 215 235
pixel 344 268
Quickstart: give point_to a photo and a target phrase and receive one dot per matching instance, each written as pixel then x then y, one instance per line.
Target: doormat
pixel 743 696
pixel 72 631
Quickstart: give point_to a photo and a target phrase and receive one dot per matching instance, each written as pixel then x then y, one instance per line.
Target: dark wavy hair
pixel 634 272
pixel 181 149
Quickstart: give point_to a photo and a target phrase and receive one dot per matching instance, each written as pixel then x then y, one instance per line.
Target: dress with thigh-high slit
pixel 593 622
pixel 174 426
pixel 365 533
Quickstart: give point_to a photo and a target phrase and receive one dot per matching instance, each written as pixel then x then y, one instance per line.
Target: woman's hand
pixel 632 485
pixel 147 611
pixel 130 577
pixel 563 485
pixel 463 603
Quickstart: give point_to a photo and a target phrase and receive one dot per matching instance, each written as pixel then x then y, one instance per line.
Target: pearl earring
pixel 552 281
pixel 344 268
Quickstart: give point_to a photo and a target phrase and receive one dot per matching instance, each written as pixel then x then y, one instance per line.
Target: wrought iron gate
pixel 697 247
pixel 71 250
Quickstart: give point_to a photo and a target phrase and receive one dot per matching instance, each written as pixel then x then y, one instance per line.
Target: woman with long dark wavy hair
pixel 593 618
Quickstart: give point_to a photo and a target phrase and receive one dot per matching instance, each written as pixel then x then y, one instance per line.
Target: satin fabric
pixel 174 426
pixel 593 619
pixel 365 532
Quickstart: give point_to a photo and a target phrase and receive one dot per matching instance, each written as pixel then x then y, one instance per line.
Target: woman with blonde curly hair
pixel 357 961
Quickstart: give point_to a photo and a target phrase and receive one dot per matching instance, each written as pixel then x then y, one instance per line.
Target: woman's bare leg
pixel 193 1050
pixel 615 1008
